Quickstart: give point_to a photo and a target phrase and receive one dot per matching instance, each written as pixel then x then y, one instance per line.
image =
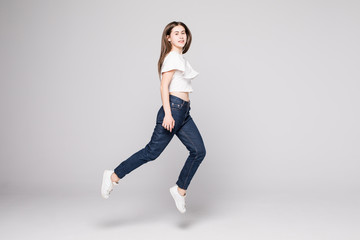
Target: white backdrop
pixel 276 100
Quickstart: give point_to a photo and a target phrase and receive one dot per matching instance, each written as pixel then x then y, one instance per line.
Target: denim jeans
pixel 184 128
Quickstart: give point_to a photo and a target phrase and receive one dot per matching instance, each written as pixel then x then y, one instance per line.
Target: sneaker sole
pixel 104 195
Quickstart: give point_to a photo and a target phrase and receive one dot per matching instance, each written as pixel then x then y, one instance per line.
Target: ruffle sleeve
pixel 173 61
pixel 190 73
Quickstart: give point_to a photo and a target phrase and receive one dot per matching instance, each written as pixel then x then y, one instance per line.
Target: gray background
pixel 276 101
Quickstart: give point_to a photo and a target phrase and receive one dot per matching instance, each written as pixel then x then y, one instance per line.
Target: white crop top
pixel 181 80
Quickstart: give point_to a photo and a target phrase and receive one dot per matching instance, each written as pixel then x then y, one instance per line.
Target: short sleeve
pixel 173 61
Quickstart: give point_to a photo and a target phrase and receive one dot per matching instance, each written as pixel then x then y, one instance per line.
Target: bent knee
pixel 151 156
pixel 200 153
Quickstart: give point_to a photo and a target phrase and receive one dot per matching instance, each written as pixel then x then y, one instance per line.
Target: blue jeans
pixel 185 129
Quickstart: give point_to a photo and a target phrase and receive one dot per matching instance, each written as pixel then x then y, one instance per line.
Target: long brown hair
pixel 166 45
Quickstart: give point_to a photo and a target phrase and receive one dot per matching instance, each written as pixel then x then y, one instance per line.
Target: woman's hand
pixel 168 122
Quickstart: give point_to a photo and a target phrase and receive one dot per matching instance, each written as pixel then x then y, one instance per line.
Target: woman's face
pixel 178 36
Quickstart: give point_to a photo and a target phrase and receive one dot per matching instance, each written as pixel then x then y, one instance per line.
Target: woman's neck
pixel 175 49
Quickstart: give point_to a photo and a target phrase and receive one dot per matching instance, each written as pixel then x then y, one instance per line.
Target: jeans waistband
pixel 176 99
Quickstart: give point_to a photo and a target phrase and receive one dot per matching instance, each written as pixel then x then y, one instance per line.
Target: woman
pixel 173 117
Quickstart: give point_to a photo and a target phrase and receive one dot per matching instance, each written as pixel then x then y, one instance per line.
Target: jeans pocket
pixel 176 106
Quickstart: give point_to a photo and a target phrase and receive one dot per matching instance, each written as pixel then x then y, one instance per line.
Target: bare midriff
pixel 183 95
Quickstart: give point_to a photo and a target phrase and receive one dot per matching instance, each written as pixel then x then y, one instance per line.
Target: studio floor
pixel 154 216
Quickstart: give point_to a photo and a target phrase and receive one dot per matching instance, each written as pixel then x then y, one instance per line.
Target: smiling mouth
pixel 181 41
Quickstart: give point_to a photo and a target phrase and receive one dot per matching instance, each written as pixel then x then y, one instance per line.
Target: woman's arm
pixel 164 89
pixel 168 121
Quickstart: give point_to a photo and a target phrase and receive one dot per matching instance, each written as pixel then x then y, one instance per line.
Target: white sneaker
pixel 107 185
pixel 179 199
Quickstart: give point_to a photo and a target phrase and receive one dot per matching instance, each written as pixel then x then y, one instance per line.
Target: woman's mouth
pixel 181 41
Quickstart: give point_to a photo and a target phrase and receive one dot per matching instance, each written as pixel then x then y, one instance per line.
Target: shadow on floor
pixel 195 213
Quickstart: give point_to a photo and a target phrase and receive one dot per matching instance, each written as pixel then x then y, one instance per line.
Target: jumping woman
pixel 173 117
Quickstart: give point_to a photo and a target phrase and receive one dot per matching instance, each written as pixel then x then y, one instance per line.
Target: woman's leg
pixel 190 136
pixel 158 142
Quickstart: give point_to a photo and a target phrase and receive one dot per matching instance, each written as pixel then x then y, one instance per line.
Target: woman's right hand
pixel 168 122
